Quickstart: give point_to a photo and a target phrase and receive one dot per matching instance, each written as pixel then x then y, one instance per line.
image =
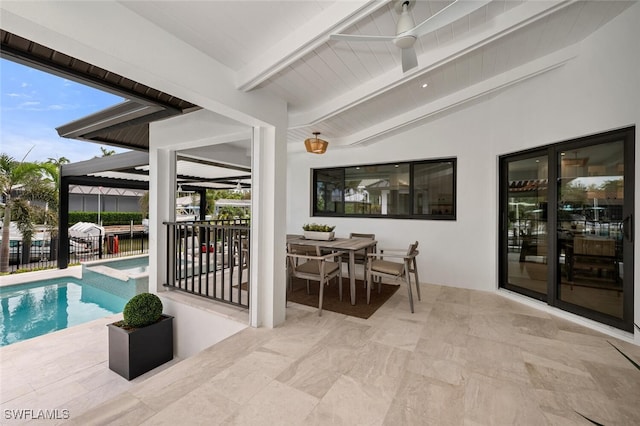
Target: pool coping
pixel 27 277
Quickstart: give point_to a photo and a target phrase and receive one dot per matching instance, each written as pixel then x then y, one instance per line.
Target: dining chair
pixel 377 266
pixel 302 250
pixel 360 256
pixel 313 266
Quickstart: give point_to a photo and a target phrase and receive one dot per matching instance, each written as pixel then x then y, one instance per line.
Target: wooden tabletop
pixel 337 243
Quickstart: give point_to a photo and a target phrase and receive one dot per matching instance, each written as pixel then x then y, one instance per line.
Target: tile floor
pixel 465 357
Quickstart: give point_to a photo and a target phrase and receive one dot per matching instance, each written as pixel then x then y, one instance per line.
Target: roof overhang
pixel 125 125
pixel 131 170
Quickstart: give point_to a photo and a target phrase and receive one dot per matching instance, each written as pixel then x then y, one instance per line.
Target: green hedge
pixel 107 218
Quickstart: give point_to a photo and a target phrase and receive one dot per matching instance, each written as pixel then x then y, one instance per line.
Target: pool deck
pixel 69 369
pixel 65 370
pixel 27 277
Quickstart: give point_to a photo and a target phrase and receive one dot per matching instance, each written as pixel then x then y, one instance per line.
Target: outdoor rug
pixel 331 300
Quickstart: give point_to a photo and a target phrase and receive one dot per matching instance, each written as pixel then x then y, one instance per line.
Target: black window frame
pixel 340 212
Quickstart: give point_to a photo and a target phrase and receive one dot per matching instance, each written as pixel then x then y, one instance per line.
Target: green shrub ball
pixel 142 310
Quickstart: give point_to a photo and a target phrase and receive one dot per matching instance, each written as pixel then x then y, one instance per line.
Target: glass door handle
pixel 627 228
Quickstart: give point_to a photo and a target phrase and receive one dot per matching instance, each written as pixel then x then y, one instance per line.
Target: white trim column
pixel 268 227
pixel 162 178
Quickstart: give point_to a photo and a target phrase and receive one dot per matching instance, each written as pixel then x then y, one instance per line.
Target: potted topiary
pixel 143 340
pixel 314 231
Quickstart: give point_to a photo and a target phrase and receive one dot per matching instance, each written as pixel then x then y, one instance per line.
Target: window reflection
pixel 433 188
pixel 411 189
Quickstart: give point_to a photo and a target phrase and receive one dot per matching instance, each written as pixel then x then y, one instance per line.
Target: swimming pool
pixel 132 266
pixel 42 307
pixel 123 277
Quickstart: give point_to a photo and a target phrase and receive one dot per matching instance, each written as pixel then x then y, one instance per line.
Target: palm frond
pixel 589 420
pixel 635 364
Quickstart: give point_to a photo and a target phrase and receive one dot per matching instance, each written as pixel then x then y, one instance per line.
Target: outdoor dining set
pixel 321 260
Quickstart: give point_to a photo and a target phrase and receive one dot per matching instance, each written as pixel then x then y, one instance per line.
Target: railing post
pixel 171 255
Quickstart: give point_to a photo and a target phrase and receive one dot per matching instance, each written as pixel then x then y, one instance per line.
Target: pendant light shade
pixel 315 145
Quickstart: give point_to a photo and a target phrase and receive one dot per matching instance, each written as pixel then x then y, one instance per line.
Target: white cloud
pixel 29 104
pixel 49 145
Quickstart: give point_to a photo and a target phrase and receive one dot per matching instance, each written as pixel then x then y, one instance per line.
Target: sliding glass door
pixel 526 201
pixel 566 226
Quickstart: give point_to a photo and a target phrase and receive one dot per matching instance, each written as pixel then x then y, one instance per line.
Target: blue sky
pixel 33 103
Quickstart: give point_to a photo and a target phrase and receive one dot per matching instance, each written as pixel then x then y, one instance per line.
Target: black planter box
pixel 134 352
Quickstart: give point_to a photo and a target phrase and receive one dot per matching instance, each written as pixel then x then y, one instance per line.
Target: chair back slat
pixel 412 248
pixel 358 235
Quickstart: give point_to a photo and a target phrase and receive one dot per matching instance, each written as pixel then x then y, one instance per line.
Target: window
pixel 417 189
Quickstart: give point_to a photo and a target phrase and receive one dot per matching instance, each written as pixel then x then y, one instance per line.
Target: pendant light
pixel 315 145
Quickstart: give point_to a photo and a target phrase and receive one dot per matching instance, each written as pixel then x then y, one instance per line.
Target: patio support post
pixel 203 203
pixel 162 184
pixel 63 224
pixel 268 226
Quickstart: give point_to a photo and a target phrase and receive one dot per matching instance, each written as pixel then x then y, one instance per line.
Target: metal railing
pixel 43 254
pixel 210 259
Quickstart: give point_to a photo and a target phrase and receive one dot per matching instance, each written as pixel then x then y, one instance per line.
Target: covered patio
pixel 368 105
pixel 466 356
pixel 505 78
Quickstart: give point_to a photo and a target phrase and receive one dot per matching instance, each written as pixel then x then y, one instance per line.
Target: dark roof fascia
pixel 212 163
pixel 118 115
pixel 116 162
pixel 106 182
pixel 146 119
pixel 37 56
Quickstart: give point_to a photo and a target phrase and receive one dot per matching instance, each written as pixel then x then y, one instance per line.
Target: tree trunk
pixel 6 225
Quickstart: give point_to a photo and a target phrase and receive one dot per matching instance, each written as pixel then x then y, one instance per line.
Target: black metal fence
pixel 43 254
pixel 210 259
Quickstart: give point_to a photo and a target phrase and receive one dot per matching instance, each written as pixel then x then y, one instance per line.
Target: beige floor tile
pixel 312 375
pixel 443 370
pixel 401 334
pixel 202 406
pixel 125 409
pixel 464 358
pixel 275 404
pixel 498 402
pixel 425 401
pixel 351 402
pixel 248 376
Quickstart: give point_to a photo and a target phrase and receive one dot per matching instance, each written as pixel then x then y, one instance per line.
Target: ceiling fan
pixel 407 32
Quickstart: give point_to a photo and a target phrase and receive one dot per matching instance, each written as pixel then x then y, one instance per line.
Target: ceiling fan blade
pixel 409 59
pixel 356 37
pixel 456 10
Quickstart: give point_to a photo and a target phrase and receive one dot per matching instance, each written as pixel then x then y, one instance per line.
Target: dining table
pixel 347 245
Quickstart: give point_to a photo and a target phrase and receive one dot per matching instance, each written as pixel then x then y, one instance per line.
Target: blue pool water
pixel 34 309
pixel 134 265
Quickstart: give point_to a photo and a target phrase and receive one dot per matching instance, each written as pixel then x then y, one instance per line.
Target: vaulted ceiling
pixel 356 92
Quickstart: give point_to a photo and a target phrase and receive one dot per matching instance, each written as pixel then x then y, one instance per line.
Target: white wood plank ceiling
pixel 356 92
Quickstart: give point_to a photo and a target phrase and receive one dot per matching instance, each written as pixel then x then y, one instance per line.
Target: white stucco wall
pixel 597 91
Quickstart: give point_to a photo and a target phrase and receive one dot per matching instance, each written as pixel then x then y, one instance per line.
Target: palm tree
pixel 58 161
pixel 14 173
pixel 107 152
pixel 51 193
